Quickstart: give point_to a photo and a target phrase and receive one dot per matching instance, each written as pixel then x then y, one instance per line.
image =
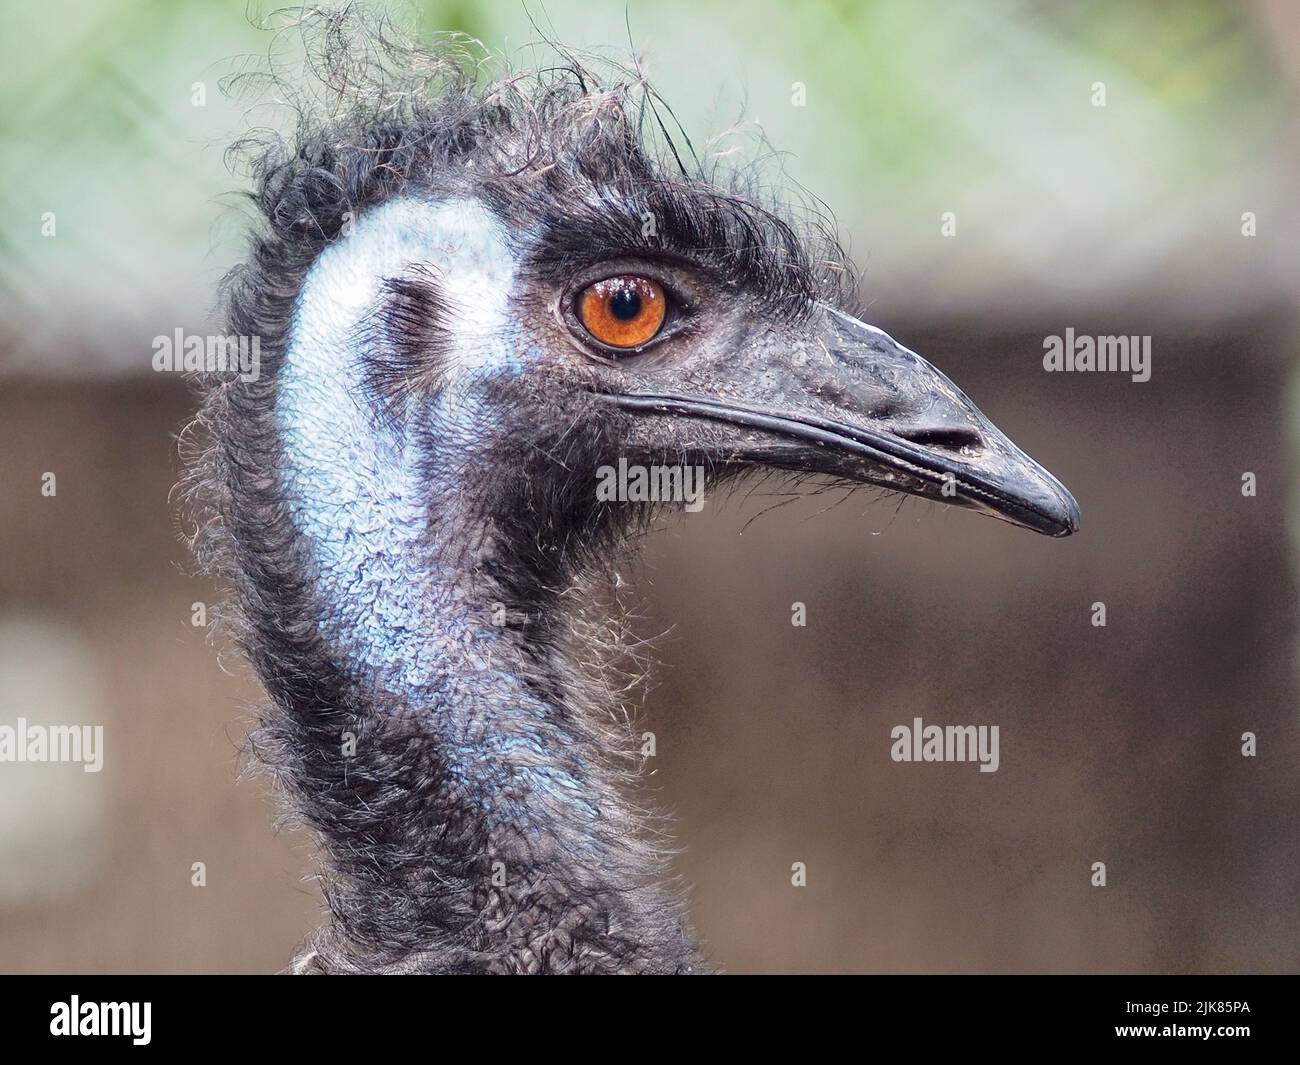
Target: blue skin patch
pixel 357 496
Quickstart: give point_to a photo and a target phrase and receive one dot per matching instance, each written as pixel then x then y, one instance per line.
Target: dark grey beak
pixel 855 403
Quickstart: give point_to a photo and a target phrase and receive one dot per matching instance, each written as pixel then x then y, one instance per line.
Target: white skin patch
pixel 351 481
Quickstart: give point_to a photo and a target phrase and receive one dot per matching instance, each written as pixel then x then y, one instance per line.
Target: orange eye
pixel 623 312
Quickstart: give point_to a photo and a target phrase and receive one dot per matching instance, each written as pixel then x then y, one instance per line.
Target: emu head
pixel 493 295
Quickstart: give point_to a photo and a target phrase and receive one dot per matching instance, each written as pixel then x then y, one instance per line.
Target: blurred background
pixel 1001 171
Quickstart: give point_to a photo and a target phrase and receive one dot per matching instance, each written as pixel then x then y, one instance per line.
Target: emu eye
pixel 626 311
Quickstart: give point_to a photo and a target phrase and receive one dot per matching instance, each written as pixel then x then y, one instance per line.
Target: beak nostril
pixel 949 437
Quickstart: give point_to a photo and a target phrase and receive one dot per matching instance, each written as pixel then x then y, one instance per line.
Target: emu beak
pixel 854 403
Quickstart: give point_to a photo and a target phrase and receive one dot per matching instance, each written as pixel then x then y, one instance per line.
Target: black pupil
pixel 625 305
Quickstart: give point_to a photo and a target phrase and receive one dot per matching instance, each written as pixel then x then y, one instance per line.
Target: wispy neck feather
pixel 474 820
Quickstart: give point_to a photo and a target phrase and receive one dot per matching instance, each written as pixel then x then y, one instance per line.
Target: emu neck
pixel 464 781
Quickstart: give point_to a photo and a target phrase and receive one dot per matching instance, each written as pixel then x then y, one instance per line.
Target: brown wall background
pixel 1119 744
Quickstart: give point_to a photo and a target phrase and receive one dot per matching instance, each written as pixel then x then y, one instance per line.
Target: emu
pixel 471 295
